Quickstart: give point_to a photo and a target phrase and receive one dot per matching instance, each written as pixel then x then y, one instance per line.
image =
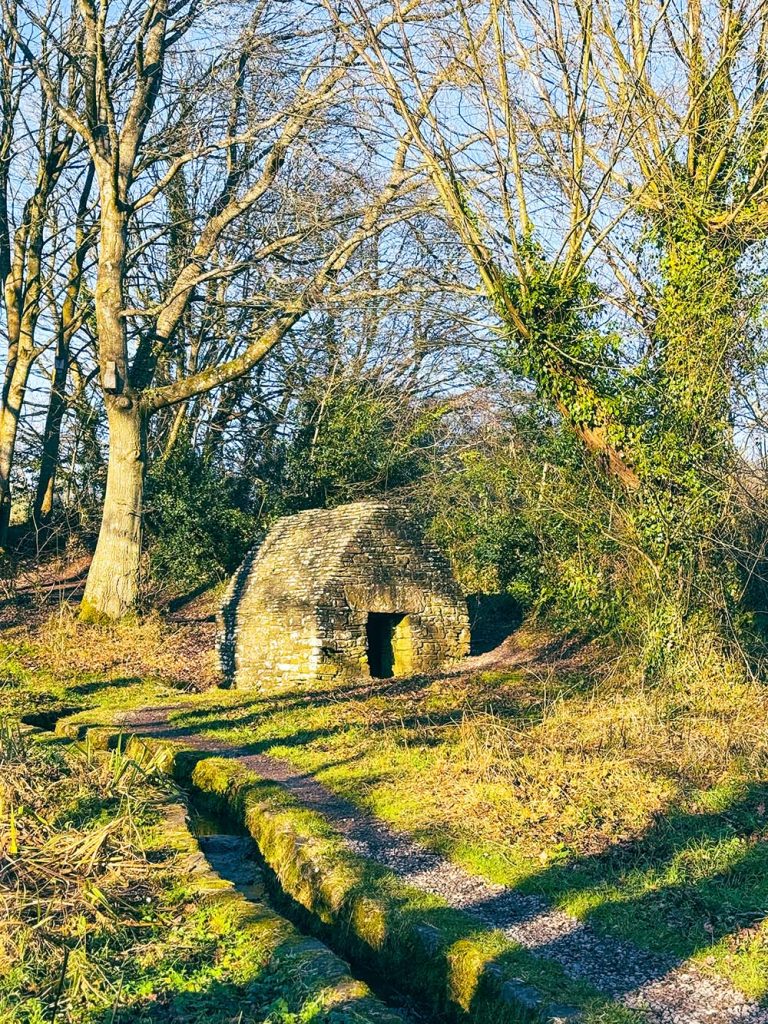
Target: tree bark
pixel 49 462
pixel 9 428
pixel 113 580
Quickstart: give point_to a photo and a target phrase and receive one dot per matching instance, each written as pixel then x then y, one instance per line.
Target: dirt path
pixel 669 992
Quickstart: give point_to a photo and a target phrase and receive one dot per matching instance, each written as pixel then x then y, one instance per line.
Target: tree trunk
pixel 9 428
pixel 112 588
pixel 49 462
pixel 43 507
pixel 113 579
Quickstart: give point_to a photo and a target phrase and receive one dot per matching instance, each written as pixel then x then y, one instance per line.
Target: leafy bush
pixel 354 438
pixel 522 517
pixel 477 516
pixel 198 521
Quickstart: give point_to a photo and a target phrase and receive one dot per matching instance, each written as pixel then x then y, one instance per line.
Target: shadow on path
pixel 660 982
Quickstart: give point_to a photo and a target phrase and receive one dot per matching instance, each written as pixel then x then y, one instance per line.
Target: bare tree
pixel 67 316
pixel 36 148
pixel 147 108
pixel 607 171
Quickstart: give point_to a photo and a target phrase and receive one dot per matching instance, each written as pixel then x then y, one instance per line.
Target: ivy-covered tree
pixel 608 175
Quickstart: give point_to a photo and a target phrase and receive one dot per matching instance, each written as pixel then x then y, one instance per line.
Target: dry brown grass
pixel 180 654
pixel 73 871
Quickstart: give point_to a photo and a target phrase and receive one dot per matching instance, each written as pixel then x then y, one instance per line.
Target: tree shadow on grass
pixel 254 710
pixel 276 992
pixel 692 880
pixel 85 689
pixel 705 874
pixel 214 736
pixel 401 939
pixel 357 692
pixel 687 882
pixel 253 707
pixel 706 877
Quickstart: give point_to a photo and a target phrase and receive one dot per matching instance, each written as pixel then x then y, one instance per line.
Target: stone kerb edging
pixel 426 949
pixel 317 972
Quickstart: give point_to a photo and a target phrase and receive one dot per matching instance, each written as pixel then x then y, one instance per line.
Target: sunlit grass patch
pixel 375 917
pixel 63 664
pixel 103 920
pixel 636 807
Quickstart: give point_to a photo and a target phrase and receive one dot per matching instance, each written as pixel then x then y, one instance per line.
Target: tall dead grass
pixel 75 879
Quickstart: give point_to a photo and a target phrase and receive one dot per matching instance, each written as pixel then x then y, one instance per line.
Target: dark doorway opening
pixel 492 618
pixel 388 638
pixel 381 657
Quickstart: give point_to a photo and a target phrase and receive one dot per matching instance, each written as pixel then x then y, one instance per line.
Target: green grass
pixel 63 665
pixel 641 812
pixel 374 916
pixel 104 923
pixel 638 809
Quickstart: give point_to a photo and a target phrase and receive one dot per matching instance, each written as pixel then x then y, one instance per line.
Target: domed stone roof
pixel 352 591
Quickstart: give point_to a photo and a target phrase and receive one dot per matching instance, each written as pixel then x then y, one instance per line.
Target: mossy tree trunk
pixel 685 452
pixel 113 580
pixel 13 400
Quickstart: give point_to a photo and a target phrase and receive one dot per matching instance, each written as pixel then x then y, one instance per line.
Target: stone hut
pixel 346 592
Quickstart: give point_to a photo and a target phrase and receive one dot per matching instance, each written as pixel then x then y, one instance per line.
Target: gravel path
pixel 669 992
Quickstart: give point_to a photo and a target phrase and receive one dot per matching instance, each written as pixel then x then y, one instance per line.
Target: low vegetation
pixel 640 809
pixel 546 765
pixel 257 258
pixel 107 918
pixel 52 662
pixel 457 972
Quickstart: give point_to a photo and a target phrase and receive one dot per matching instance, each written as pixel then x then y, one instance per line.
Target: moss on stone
pixel 300 607
pixel 437 954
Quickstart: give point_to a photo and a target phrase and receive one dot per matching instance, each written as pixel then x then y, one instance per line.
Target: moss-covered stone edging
pixel 316 973
pixel 438 955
